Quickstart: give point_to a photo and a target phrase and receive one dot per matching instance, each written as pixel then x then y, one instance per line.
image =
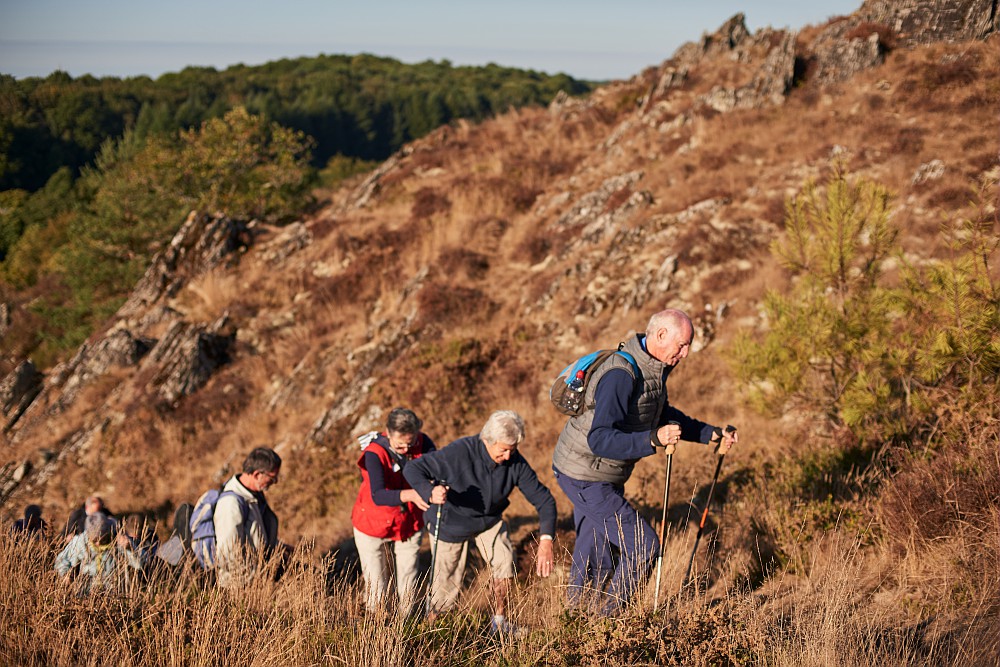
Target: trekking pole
pixel 434 554
pixel 704 514
pixel 663 525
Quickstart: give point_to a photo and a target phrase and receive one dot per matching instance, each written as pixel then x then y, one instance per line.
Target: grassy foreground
pixel 834 616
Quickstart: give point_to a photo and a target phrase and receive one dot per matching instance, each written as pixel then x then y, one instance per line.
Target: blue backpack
pixel 570 387
pixel 203 525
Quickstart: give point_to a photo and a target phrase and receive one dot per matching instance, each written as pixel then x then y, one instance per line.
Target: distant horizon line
pixel 103 58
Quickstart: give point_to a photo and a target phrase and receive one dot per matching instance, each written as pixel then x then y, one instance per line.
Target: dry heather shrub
pixel 351 285
pixel 952 71
pixel 522 197
pixel 428 202
pixel 449 303
pixel 617 199
pixel 453 392
pixel 905 141
pixel 951 198
pixel 534 249
pixel 874 101
pixel 453 262
pixel 427 158
pixel 956 487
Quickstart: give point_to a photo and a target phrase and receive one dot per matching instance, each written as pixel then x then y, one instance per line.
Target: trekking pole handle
pixel 434 486
pixel 719 433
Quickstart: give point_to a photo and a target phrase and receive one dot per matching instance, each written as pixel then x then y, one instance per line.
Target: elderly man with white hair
pixel 627 417
pixel 475 476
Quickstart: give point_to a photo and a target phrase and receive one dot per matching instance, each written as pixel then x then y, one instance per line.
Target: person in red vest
pixel 387 510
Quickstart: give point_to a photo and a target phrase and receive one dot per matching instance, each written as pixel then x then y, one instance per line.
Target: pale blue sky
pixel 589 39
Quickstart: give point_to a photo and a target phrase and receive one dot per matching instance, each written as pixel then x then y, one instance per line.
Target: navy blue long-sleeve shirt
pixel 478 488
pixel 610 407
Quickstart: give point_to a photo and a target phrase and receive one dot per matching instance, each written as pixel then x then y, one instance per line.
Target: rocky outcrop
pixel 599 212
pixel 925 21
pixel 770 84
pixel 772 51
pixel 4 319
pixel 120 349
pixel 370 361
pixel 372 185
pixel 11 476
pixel 838 58
pixel 731 39
pixel 18 390
pixel 860 41
pixel 202 243
pixel 289 240
pixel 187 356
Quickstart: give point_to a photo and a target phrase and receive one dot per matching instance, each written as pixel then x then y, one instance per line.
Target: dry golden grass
pixel 209 295
pixel 834 614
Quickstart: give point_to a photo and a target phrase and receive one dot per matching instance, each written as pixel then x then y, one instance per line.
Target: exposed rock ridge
pixel 925 21
pixel 187 356
pixel 770 84
pixel 203 242
pixel 854 44
pixel 182 360
pixel 18 390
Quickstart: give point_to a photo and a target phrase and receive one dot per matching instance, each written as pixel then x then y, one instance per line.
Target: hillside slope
pixel 464 272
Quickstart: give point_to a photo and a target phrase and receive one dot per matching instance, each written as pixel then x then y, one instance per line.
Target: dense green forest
pixel 95 173
pixel 360 106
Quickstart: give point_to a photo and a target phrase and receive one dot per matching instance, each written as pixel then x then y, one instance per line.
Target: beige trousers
pixel 449 571
pixel 373 553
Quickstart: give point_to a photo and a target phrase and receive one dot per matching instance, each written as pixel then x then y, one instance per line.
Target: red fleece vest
pixel 393 523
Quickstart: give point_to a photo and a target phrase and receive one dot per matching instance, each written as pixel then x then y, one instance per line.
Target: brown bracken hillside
pixel 468 269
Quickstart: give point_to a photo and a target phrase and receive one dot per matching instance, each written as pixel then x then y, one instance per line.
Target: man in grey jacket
pixel 626 418
pixel 246 529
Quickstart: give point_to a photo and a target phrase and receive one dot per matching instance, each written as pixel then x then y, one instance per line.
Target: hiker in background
pixel 246 529
pixel 387 511
pixel 141 538
pixel 476 474
pixel 626 418
pixel 92 505
pixel 32 525
pixel 104 556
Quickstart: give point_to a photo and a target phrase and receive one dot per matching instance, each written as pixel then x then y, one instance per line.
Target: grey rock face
pixel 839 58
pixel 187 356
pixel 926 21
pixel 4 318
pixel 18 390
pixel 852 45
pixel 202 243
pixel 769 86
pixel 119 349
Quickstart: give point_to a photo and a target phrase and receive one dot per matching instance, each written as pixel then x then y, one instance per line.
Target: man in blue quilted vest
pixel 626 418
